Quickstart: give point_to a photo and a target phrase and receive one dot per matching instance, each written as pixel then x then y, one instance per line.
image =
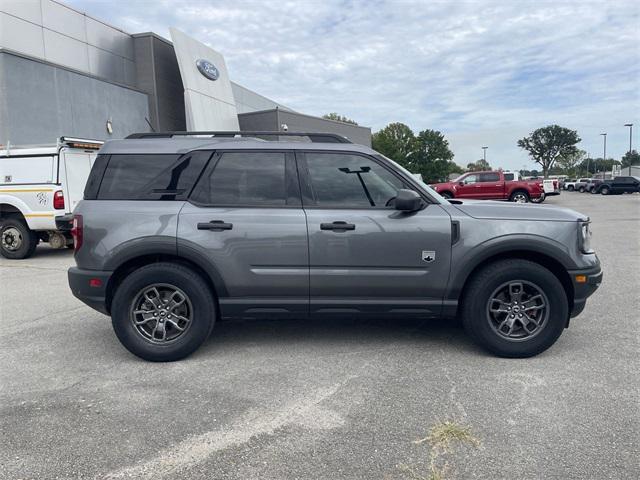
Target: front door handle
pixel 337 226
pixel 215 225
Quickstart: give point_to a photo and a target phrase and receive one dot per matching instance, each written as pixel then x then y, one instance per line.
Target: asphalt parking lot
pixel 324 399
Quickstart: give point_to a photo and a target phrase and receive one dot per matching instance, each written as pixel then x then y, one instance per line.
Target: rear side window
pixel 151 177
pixel 508 177
pixel 245 179
pixel 95 177
pixel 492 177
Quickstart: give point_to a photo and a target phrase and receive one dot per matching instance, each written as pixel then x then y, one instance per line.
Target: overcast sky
pixel 482 72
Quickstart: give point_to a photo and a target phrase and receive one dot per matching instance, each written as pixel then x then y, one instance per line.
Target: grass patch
pixel 443 439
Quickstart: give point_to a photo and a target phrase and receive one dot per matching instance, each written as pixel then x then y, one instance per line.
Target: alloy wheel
pixel 161 313
pixel 517 310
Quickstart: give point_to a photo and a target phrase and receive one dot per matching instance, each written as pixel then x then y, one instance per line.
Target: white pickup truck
pixel 39 187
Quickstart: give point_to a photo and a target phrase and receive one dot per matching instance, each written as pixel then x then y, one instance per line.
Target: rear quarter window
pixel 150 177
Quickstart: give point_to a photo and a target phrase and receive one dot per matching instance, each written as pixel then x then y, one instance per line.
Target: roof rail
pixel 313 137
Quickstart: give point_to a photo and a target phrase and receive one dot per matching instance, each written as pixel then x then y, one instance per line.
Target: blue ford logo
pixel 208 69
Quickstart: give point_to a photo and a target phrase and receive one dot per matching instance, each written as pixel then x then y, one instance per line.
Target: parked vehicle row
pixel 178 231
pixel 615 186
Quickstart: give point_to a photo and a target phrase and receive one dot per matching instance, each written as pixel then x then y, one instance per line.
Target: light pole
pixel 604 154
pixel 484 153
pixel 630 125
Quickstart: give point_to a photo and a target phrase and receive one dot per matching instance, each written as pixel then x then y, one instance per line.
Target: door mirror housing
pixel 461 184
pixel 407 201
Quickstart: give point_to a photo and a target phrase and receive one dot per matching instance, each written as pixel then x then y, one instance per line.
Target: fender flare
pixel 18 204
pixel 505 246
pixel 167 246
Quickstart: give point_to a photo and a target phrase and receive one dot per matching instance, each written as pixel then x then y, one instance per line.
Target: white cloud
pixel 484 73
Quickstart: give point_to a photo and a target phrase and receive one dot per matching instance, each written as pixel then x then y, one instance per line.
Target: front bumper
pixel 90 286
pixel 584 289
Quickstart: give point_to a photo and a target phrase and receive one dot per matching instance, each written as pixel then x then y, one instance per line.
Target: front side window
pixel 348 180
pixel 244 179
pixel 470 179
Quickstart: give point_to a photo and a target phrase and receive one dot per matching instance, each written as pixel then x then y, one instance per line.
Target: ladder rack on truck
pixel 39 187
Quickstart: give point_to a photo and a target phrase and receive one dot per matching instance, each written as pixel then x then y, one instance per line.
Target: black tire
pixel 571 188
pixel 446 195
pixel 581 189
pixel 605 190
pixel 201 303
pixel 13 230
pixel 520 194
pixel 477 320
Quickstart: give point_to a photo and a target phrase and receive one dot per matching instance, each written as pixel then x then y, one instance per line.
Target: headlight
pixel 585 237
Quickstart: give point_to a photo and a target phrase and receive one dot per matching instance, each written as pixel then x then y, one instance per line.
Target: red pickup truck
pixel 491 186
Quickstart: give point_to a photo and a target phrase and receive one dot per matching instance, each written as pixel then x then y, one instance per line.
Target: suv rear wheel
pixel 16 240
pixel 515 308
pixel 163 312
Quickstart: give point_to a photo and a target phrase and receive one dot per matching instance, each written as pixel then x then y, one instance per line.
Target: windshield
pixel 424 186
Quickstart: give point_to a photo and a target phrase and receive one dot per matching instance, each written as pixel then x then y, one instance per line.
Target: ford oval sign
pixel 208 69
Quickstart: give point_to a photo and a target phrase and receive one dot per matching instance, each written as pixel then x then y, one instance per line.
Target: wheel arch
pixel 203 269
pixel 9 210
pixel 553 261
pixel 520 190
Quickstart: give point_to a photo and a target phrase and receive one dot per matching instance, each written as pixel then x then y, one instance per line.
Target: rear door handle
pixel 337 226
pixel 215 225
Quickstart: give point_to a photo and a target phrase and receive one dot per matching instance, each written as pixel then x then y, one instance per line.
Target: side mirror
pixel 407 201
pixel 461 184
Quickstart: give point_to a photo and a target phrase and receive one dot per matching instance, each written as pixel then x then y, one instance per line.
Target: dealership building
pixel 63 72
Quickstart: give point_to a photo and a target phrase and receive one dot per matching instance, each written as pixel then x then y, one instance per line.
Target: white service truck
pixel 39 187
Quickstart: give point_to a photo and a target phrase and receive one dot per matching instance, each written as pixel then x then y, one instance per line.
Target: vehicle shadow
pixel 348 331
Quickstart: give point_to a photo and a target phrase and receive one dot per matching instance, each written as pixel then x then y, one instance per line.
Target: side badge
pixel 428 256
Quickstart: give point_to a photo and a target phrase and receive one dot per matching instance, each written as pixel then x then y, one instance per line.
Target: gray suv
pixel 179 230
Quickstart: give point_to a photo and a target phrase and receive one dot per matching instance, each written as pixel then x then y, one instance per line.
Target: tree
pixel 594 165
pixel 395 141
pixel 433 158
pixel 545 145
pixel 427 153
pixel 570 161
pixel 478 166
pixel 631 158
pixel 339 118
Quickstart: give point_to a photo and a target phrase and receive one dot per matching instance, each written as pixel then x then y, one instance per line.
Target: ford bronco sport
pixel 177 230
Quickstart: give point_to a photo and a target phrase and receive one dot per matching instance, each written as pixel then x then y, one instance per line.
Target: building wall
pixel 250 101
pixel 158 76
pixel 272 120
pixel 52 31
pixel 40 102
pixel 298 122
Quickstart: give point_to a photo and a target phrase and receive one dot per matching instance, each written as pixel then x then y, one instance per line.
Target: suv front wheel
pixel 515 308
pixel 163 312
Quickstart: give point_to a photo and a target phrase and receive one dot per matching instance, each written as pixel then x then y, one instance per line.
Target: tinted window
pixel 245 178
pixel 346 180
pixel 492 177
pixel 508 177
pixel 151 177
pixel 622 180
pixel 95 177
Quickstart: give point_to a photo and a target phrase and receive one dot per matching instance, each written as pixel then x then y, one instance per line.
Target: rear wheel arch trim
pixel 198 264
